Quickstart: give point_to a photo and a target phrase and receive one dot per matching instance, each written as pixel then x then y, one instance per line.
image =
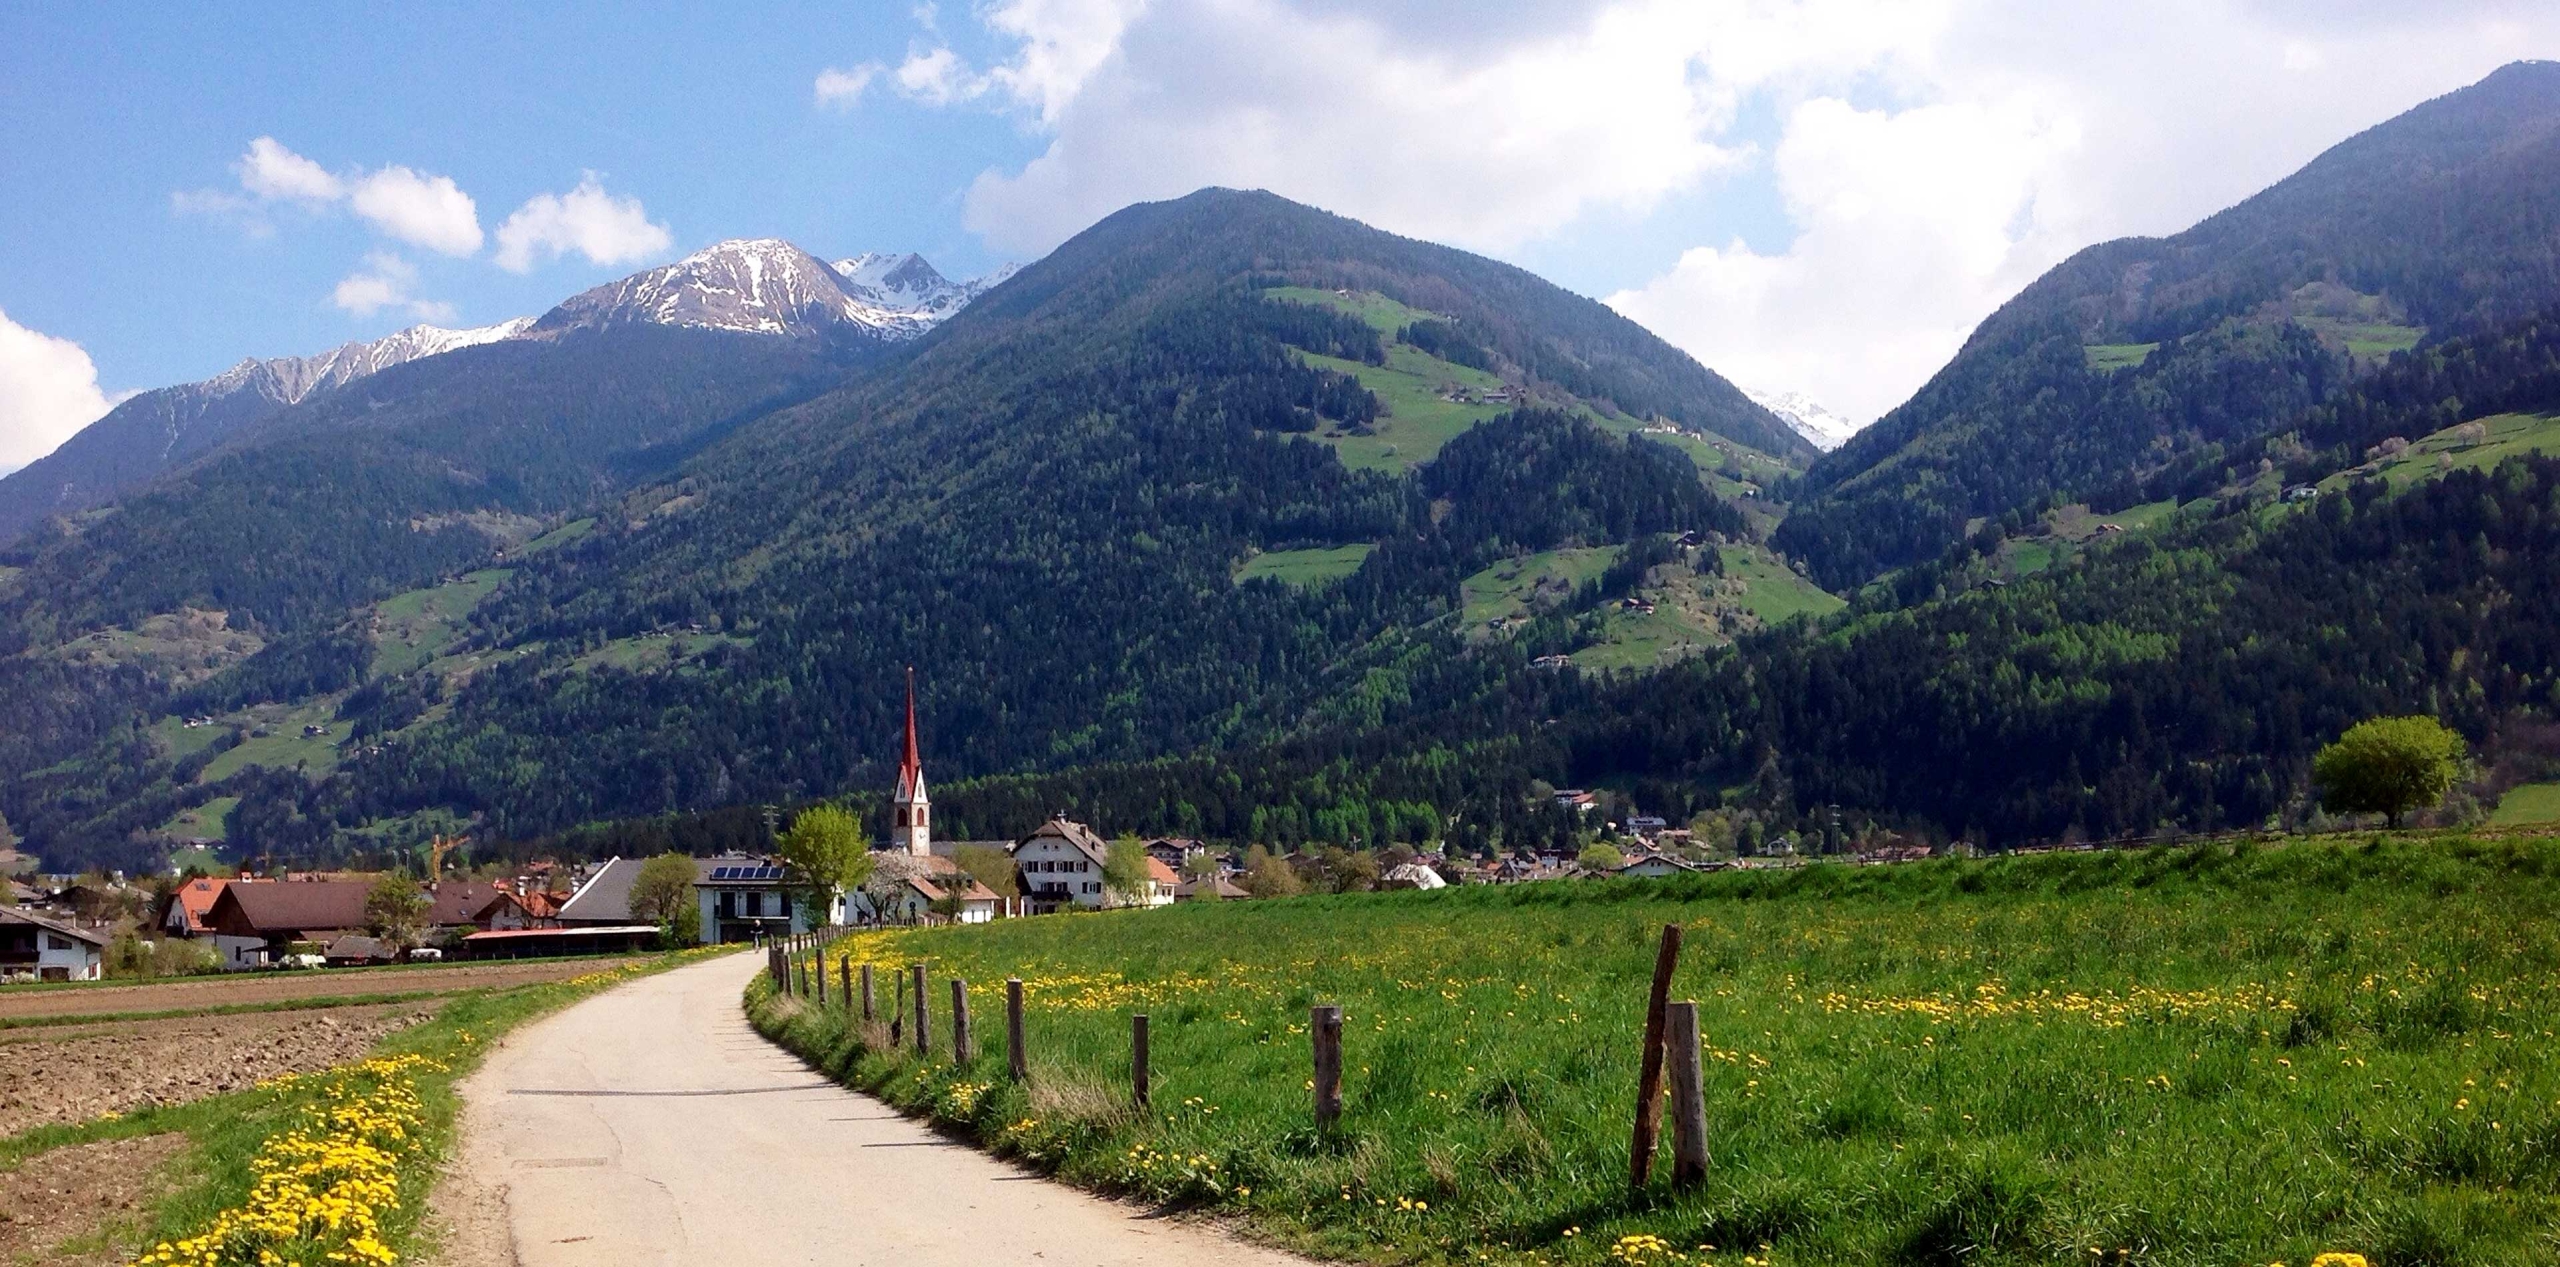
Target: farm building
pixel 917 894
pixel 280 913
pixel 190 915
pixel 1061 866
pixel 38 948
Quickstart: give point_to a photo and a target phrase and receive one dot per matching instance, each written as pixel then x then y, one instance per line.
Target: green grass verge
pixel 2182 1056
pixel 225 1132
pixel 2527 804
pixel 211 820
pixel 1317 567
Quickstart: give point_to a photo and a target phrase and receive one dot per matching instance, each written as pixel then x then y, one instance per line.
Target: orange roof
pixel 1160 873
pixel 195 900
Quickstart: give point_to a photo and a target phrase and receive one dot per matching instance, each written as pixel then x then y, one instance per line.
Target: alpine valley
pixel 1235 518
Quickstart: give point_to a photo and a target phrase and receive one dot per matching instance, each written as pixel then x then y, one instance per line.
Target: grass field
pixel 2526 804
pixel 557 537
pixel 2117 356
pixel 417 626
pixel 1773 592
pixel 1322 565
pixel 2368 339
pixel 2180 1056
pixel 284 746
pixel 2509 435
pixel 1515 587
pixel 211 820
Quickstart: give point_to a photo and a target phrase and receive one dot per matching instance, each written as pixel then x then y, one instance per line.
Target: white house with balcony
pixel 1060 866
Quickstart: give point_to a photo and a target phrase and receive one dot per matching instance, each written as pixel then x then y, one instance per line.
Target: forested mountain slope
pixel 2140 352
pixel 1043 507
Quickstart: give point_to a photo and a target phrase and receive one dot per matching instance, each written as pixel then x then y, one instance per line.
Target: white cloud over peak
pixel 428 211
pixel 842 88
pixel 1925 158
pixel 387 281
pixel 400 203
pixel 48 390
pixel 587 221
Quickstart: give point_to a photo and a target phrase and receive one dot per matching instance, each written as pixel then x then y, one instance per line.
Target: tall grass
pixel 2211 1054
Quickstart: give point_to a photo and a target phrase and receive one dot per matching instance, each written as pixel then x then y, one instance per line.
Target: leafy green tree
pixel 395 912
pixel 823 854
pixel 991 867
pixel 1599 857
pixel 2389 766
pixel 1269 875
pixel 1124 870
pixel 663 888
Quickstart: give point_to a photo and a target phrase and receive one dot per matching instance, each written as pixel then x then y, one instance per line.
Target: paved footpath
pixel 651 1124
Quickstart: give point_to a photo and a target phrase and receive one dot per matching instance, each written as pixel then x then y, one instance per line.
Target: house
pixel 1552 662
pixel 1654 866
pixel 1577 800
pixel 35 947
pixel 1214 889
pixel 280 913
pixel 1161 882
pixel 458 906
pixel 918 893
pixel 741 898
pixel 1411 875
pixel 2302 493
pixel 1646 824
pixel 603 901
pixel 1061 867
pixel 190 914
pixel 519 907
pixel 1173 851
pixel 355 950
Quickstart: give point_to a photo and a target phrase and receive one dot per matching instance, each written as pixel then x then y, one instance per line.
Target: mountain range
pixel 760 286
pixel 1235 517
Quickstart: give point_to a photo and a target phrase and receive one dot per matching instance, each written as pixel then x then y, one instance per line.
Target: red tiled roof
pixel 1160 873
pixel 195 903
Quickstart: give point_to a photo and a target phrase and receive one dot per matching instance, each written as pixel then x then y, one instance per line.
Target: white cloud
pixel 938 77
pixel 48 390
pixel 269 170
pixel 1928 157
pixel 428 211
pixel 586 220
pixel 387 281
pixel 842 88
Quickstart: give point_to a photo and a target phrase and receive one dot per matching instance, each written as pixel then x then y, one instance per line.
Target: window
pixel 755 905
pixel 728 905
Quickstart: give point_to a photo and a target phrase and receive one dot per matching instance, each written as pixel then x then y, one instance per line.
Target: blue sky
pixel 1810 195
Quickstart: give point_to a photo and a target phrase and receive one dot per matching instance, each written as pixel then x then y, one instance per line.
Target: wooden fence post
pixel 846 966
pixel 962 1050
pixel 1325 1025
pixel 924 1015
pixel 868 995
pixel 1688 1096
pixel 1138 1058
pixel 1016 1059
pixel 1649 1081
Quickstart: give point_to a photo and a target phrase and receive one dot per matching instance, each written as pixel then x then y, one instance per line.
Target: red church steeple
pixel 911 812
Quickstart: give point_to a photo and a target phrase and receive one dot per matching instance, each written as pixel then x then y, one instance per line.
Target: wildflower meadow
pixel 2329 1052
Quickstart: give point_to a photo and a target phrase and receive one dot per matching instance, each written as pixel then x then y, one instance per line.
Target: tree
pixel 663 888
pixel 991 867
pixel 1201 867
pixel 1267 875
pixel 395 912
pixel 1125 871
pixel 823 855
pixel 1598 857
pixel 2389 766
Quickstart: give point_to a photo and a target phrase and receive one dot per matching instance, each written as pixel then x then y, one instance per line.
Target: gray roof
pixel 12 915
pixel 606 896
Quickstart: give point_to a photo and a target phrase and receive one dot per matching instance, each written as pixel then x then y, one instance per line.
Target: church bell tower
pixel 910 810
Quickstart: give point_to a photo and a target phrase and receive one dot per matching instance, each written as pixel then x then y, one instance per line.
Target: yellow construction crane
pixel 437 849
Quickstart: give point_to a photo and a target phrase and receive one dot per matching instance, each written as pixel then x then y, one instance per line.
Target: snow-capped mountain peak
pixel 288 380
pixel 769 286
pixel 910 292
pixel 1820 427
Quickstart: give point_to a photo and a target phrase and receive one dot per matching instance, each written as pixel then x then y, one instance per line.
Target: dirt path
pixel 241 988
pixel 651 1125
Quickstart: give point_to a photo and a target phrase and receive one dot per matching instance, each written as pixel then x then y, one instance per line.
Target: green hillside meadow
pixel 2212 1054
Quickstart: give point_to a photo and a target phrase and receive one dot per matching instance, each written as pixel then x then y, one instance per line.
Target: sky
pixel 1818 196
